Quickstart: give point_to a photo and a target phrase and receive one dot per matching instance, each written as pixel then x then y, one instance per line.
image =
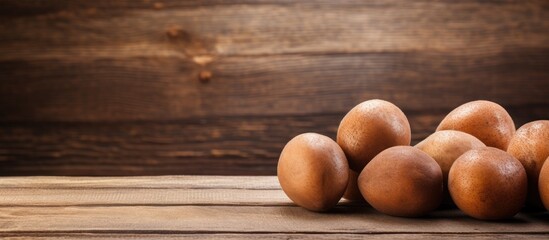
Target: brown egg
pixel 402 181
pixel 445 147
pixel 543 184
pixel 530 146
pixel 487 121
pixel 313 171
pixel 488 183
pixel 352 193
pixel 369 128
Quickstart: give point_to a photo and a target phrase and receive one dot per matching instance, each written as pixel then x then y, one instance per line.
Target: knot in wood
pixel 204 76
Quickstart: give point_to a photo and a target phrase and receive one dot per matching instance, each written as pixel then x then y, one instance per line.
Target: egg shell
pixel 313 171
pixel 369 128
pixel 530 146
pixel 488 184
pixel 543 184
pixel 487 121
pixel 402 181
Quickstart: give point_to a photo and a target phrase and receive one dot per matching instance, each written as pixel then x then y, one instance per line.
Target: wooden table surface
pixel 219 207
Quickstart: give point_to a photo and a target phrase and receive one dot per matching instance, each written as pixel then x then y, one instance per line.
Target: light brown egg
pixel 530 146
pixel 352 193
pixel 445 147
pixel 402 181
pixel 369 128
pixel 313 171
pixel 543 184
pixel 487 121
pixel 488 183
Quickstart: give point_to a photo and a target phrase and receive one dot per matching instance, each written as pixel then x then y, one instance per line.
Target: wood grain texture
pixel 124 61
pixel 209 146
pixel 246 219
pixel 228 145
pixel 85 236
pixel 214 87
pixel 164 190
pixel 267 27
pixel 214 217
pixel 142 182
pixel 145 197
pixel 167 88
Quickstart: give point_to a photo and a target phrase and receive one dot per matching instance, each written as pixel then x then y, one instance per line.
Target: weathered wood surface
pixel 270 236
pixel 214 87
pixel 105 60
pixel 201 207
pixel 236 145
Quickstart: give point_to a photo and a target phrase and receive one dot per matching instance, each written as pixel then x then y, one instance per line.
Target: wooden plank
pixel 247 219
pixel 266 27
pixel 19 236
pixel 208 146
pixel 157 191
pixel 168 88
pixel 143 197
pixel 142 182
pixel 234 146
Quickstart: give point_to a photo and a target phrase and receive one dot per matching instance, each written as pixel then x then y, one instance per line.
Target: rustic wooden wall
pixel 109 87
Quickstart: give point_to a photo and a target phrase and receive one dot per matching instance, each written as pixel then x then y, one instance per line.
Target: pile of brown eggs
pixel 475 160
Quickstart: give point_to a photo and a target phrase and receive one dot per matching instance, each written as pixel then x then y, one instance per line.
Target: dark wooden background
pixel 110 87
